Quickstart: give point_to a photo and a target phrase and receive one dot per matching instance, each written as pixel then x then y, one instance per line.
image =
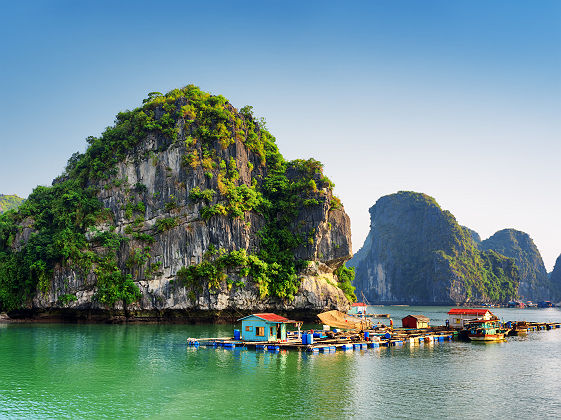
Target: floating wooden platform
pixel 518 328
pixel 335 341
pixel 330 341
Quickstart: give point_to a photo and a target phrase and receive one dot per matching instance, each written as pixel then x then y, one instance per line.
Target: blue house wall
pixel 250 327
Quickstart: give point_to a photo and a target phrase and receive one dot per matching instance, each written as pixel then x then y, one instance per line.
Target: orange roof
pixel 359 304
pixel 468 311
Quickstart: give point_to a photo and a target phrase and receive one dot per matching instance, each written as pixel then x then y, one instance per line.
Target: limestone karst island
pixel 416 253
pixel 183 209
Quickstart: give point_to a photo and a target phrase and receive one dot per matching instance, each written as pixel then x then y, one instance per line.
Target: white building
pixel 458 316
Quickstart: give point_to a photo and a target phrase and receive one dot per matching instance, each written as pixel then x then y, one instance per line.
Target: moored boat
pixel 358 309
pixel 518 328
pixel 485 330
pixel 519 331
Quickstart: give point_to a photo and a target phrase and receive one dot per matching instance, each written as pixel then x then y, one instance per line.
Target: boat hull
pixel 486 337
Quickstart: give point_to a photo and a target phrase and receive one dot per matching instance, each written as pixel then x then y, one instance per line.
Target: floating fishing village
pixel 356 330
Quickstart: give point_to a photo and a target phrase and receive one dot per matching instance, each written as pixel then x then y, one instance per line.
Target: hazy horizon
pixel 457 100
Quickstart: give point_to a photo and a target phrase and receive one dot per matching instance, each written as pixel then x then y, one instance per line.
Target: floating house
pixel 415 321
pixel 459 316
pixel 264 327
pixel 357 308
pixel 545 304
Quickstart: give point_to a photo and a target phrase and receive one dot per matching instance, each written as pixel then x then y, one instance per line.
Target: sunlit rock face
pixel 154 199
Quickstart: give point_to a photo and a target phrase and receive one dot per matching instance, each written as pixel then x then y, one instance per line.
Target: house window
pixel 248 328
pixel 260 331
pixel 458 320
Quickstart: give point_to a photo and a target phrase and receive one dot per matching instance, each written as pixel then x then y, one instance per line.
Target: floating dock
pixel 331 341
pixel 328 341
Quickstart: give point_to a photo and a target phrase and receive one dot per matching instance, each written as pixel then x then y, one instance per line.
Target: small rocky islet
pixel 186 209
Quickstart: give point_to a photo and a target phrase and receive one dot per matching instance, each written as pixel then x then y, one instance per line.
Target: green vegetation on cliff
pixel 9 202
pixel 56 226
pixel 486 275
pixel 534 284
pixel 60 216
pixel 346 276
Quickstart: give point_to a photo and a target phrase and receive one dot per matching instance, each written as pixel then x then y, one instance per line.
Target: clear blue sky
pixel 457 99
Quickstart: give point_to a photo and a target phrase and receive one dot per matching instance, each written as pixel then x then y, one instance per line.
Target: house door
pixel 279 335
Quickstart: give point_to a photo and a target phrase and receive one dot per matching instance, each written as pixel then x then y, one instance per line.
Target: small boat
pixel 358 308
pixel 519 331
pixel 486 330
pixel 519 328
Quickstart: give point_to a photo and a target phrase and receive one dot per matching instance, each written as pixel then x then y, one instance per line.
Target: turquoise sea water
pixel 147 371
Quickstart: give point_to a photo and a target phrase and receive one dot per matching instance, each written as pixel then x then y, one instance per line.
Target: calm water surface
pixel 146 371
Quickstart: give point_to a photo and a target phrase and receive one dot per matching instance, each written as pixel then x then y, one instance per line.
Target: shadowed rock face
pixel 474 235
pixel 416 253
pixel 555 279
pixel 534 284
pixel 157 172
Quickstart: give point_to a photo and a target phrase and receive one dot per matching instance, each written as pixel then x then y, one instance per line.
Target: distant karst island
pixel 417 253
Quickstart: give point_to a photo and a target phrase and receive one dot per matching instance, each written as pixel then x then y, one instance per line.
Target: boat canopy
pixel 338 319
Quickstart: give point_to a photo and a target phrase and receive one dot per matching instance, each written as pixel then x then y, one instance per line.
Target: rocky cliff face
pixel 555 280
pixel 185 208
pixel 416 253
pixel 9 202
pixel 474 235
pixel 534 283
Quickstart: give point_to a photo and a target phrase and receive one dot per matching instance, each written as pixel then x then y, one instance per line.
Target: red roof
pixel 418 317
pixel 269 317
pixel 359 304
pixel 468 311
